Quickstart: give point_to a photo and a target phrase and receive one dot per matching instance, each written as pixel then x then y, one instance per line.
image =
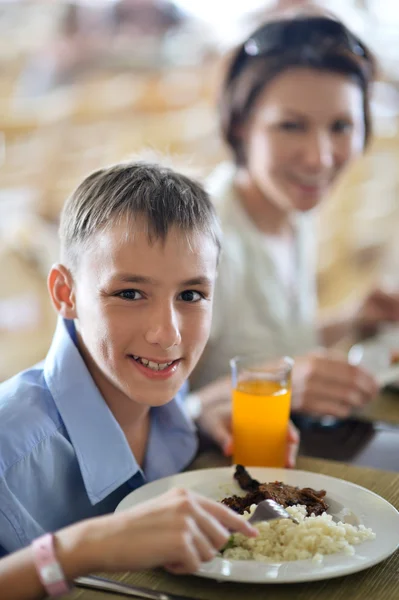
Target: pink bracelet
pixel 48 568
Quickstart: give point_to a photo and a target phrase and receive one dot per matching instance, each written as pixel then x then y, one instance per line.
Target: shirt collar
pixel 80 404
pixel 172 442
pixel 104 456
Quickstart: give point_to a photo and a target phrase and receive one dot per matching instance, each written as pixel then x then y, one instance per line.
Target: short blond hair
pixel 155 194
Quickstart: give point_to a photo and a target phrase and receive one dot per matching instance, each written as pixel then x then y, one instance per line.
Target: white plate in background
pixel 375 355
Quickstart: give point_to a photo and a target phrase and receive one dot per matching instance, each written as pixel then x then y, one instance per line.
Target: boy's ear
pixel 60 286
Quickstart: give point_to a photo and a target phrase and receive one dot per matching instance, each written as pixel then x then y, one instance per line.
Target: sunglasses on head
pixel 281 36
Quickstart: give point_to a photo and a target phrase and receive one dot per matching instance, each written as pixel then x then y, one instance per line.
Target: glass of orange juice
pixel 261 410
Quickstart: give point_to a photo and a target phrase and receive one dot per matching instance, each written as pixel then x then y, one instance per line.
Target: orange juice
pixel 261 411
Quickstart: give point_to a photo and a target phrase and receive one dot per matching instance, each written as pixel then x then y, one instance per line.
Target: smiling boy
pixel 102 415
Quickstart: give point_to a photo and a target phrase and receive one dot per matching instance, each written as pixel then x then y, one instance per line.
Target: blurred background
pixel 88 83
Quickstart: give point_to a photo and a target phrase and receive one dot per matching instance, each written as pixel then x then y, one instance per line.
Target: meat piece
pixel 284 494
pixel 245 480
pixel 241 504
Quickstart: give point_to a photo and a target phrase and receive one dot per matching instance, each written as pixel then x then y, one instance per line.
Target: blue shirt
pixel 63 455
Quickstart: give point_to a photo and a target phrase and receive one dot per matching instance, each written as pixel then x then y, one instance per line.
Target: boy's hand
pixel 293 439
pixel 215 421
pixel 177 530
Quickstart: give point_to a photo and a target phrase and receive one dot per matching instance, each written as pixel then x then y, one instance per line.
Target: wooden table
pixel 377 583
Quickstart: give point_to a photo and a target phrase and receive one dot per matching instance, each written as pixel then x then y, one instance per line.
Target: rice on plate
pixel 284 540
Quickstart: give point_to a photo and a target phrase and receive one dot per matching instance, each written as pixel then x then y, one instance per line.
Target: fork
pixel 270 510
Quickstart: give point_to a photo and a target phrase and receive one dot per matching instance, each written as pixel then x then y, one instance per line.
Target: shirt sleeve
pixel 12 532
pixel 9 539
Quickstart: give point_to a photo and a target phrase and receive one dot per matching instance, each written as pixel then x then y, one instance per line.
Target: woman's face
pixel 305 128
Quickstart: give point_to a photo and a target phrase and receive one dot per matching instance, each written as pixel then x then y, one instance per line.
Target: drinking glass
pixel 261 410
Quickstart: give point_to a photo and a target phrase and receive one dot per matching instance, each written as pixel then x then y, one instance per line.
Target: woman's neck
pixel 264 214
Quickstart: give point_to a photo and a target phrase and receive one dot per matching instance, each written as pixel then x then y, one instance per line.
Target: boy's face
pixel 143 312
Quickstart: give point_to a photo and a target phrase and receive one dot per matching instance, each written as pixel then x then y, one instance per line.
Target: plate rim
pixel 306 577
pixel 226 469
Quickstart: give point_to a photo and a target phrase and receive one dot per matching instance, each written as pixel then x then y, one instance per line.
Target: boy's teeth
pixel 152 365
pixel 163 366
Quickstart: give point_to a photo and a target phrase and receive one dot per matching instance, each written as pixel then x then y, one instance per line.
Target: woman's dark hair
pixel 306 41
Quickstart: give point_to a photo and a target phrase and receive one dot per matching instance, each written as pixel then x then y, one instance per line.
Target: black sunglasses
pixel 280 36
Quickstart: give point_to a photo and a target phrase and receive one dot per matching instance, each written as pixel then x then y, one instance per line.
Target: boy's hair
pixel 153 194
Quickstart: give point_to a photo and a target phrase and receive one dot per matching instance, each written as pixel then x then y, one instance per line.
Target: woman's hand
pixel 324 383
pixel 178 530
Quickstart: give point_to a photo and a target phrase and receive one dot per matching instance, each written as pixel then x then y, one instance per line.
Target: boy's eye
pixel 191 296
pixel 130 295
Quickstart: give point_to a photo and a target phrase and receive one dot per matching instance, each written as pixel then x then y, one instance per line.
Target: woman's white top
pixel 265 297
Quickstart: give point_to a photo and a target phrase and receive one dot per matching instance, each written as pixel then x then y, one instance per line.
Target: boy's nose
pixel 164 330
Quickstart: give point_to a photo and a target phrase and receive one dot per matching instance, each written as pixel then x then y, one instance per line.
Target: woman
pixel 295 112
pixel 177 530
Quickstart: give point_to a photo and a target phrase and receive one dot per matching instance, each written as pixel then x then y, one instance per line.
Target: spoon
pixel 269 510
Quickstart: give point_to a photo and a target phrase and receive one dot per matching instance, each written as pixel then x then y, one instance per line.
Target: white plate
pixel 375 355
pixel 347 501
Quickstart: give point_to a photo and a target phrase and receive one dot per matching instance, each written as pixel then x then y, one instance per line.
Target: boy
pixel 101 415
